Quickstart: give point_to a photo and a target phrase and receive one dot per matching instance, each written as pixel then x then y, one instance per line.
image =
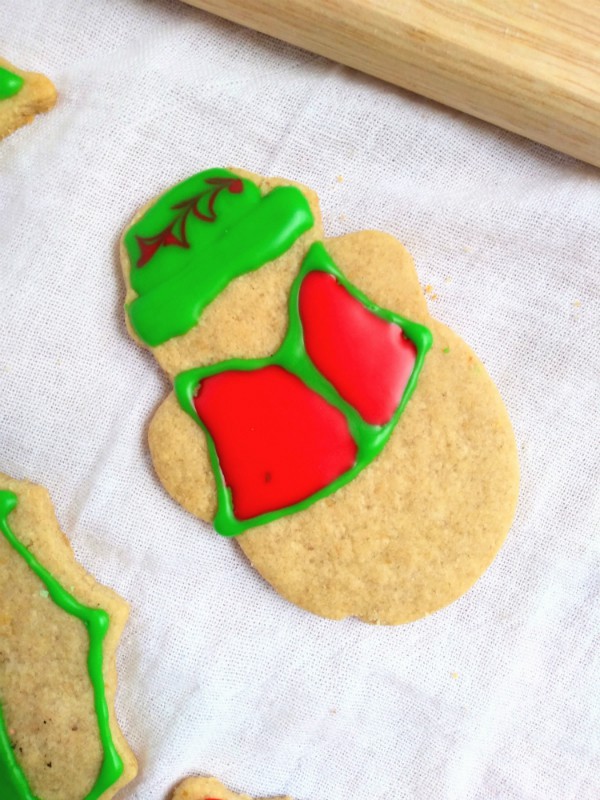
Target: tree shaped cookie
pixel 23 95
pixel 208 789
pixel 59 629
pixel 355 447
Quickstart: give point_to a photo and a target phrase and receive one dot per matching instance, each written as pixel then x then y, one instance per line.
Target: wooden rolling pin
pixel 532 67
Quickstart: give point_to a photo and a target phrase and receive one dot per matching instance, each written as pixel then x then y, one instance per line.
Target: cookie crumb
pixel 340 179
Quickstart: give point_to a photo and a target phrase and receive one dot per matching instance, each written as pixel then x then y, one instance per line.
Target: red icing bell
pixel 368 359
pixel 277 440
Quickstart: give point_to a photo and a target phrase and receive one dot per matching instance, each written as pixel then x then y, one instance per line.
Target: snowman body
pixel 293 427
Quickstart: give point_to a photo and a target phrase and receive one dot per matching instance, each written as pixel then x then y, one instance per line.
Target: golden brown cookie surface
pixel 416 527
pixel 35 95
pixel 50 622
pixel 209 789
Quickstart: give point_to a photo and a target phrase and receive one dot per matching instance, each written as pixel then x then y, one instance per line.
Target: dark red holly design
pixel 202 206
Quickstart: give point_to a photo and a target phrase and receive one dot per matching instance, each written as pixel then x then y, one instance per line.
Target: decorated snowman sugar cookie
pixel 355 447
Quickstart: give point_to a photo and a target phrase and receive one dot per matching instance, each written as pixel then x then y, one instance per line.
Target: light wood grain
pixel 530 67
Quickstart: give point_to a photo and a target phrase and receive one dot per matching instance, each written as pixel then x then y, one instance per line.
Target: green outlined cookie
pixel 59 739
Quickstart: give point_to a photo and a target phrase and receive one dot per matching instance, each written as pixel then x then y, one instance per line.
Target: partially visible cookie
pixel 59 630
pixel 208 789
pixel 23 95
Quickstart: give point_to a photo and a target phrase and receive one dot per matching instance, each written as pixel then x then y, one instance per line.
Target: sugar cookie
pixel 59 630
pixel 209 789
pixel 355 446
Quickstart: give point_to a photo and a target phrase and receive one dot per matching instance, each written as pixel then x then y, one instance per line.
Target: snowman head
pixel 199 236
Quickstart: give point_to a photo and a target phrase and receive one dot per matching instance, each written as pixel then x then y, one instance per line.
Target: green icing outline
pixel 97 622
pixel 292 356
pixel 10 83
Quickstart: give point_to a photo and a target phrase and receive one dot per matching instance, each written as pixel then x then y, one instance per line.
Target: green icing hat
pixel 198 237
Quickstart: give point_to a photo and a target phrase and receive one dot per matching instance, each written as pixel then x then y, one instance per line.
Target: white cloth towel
pixel 498 696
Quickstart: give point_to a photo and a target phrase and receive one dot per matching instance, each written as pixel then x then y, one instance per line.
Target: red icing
pixel 278 442
pixel 366 358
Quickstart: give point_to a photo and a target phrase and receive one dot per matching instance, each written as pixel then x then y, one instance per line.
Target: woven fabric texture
pixel 496 696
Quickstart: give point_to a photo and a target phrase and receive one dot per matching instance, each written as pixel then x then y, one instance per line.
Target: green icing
pixel 292 356
pixel 12 780
pixel 227 209
pixel 10 83
pixel 97 621
pixel 197 238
